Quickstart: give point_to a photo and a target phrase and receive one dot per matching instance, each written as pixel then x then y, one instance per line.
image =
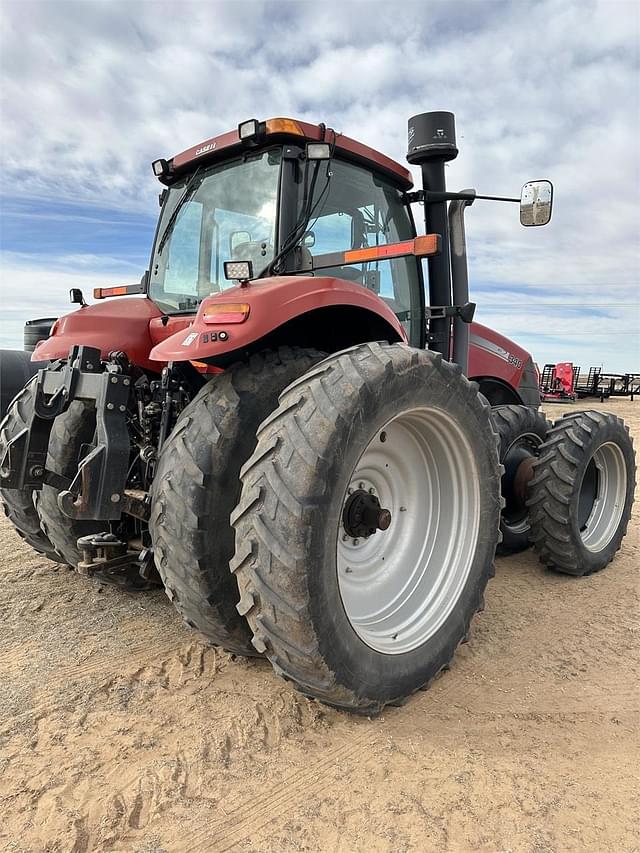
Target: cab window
pixel 359 210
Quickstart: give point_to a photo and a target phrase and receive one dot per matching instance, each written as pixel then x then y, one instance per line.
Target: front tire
pixel 355 618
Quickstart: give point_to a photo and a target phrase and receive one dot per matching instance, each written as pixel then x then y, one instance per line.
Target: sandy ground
pixel 120 730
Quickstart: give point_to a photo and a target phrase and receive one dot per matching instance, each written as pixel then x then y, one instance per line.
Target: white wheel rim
pixel 399 585
pixel 604 518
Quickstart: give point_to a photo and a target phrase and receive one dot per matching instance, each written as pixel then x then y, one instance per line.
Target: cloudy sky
pixel 91 92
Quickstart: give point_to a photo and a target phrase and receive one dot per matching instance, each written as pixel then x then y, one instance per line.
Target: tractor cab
pixel 281 200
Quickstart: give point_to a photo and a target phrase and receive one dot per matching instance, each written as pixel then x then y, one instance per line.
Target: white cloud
pixel 92 92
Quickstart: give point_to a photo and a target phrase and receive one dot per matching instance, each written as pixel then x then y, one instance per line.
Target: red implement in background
pixel 557 382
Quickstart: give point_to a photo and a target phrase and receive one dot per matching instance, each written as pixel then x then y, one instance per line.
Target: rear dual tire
pixel 69 432
pixel 322 627
pixel 582 491
pixel 197 486
pixel 521 431
pixel 18 504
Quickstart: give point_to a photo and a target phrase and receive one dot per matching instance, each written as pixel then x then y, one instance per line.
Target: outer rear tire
pixel 16 369
pixel 18 503
pixel 581 495
pixel 290 525
pixel 197 485
pixel 521 431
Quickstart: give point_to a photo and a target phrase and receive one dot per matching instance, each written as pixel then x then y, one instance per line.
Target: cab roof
pixel 281 130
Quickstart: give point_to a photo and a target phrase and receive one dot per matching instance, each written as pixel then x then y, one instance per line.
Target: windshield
pixel 229 214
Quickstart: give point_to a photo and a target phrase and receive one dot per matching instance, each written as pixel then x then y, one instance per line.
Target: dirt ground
pixel 120 730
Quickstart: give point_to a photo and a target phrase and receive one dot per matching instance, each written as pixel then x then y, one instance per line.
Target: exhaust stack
pixel 432 143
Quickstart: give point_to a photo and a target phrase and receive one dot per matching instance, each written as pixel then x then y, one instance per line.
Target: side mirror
pixel 309 240
pixel 76 297
pixel 237 238
pixel 536 201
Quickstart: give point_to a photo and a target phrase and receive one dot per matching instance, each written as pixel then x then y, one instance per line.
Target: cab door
pixel 356 209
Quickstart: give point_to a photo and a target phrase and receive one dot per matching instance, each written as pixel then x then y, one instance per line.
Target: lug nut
pixel 109 406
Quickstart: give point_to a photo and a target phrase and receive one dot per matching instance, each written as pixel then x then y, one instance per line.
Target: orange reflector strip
pixel 103 292
pixel 428 244
pixel 421 247
pixel 283 125
pixel 226 312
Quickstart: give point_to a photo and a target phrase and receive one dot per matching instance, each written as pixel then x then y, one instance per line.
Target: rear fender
pixel 113 325
pixel 504 369
pixel 280 302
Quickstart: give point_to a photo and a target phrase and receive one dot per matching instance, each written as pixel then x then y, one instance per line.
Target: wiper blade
pixel 188 190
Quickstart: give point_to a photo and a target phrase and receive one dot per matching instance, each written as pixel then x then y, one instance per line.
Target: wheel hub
pixel 363 515
pixel 417 481
pixel 518 471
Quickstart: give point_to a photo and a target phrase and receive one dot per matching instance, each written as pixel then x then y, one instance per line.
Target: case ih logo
pixel 204 149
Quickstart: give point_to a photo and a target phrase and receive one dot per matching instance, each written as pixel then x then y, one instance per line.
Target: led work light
pixel 238 270
pixel 160 167
pixel 248 129
pixel 318 151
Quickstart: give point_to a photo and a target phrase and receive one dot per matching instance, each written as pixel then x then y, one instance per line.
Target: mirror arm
pixel 431 197
pixel 498 198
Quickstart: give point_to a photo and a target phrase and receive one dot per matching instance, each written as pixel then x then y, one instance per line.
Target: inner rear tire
pixel 581 495
pixel 355 618
pixel 521 430
pixel 197 485
pixel 69 432
pixel 18 503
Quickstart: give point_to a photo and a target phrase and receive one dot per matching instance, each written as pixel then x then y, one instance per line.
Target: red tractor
pixel 283 430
